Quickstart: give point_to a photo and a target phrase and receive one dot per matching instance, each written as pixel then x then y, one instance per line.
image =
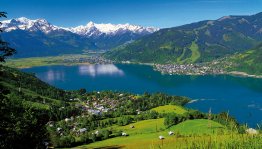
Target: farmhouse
pixel 251 131
pixel 161 137
pixel 171 133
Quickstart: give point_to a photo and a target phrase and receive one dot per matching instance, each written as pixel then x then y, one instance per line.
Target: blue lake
pixel 241 97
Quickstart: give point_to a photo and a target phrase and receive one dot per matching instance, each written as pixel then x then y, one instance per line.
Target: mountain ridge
pixel 43 25
pixel 248 62
pixel 193 43
pixel 34 38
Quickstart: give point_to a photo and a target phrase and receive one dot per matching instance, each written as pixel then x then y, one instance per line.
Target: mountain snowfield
pixel 34 38
pixel 29 25
pixel 91 29
pixel 110 29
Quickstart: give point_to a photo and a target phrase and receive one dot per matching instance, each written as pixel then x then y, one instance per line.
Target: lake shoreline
pixel 138 79
pixel 244 74
pixel 15 64
pixel 54 64
pixel 231 73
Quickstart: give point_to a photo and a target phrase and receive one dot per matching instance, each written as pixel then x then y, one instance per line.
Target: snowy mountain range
pixel 40 38
pixel 91 29
pixel 29 25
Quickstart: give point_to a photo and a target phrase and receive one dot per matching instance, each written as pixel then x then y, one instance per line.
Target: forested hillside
pixel 27 104
pixel 197 42
pixel 249 61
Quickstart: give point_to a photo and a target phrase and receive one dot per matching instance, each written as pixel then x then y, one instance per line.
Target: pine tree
pixel 5 50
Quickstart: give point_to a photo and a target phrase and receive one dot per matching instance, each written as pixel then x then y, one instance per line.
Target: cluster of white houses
pixel 98 107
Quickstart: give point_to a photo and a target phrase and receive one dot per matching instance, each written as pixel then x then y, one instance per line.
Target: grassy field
pixel 198 127
pixel 194 56
pixel 32 94
pixel 195 52
pixel 169 109
pixel 148 141
pixel 146 133
pixel 179 59
pixel 142 127
pixel 44 61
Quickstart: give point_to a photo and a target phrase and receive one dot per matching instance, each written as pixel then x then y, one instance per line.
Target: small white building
pixel 82 130
pixel 50 123
pixel 170 133
pixel 161 137
pixel 252 131
pixel 74 129
pixel 67 119
pixel 97 132
pixel 58 129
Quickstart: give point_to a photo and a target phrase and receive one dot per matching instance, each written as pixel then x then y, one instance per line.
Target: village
pixel 89 59
pixel 190 69
pixel 95 105
pixel 73 125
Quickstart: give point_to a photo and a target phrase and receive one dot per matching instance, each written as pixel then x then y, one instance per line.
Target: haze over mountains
pixel 41 38
pixel 197 42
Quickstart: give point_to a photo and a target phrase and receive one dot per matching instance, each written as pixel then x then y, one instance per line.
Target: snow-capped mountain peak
pixel 27 24
pixel 90 24
pixel 22 20
pixel 91 29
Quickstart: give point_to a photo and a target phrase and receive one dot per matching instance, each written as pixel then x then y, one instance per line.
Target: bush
pixel 66 141
pixel 105 134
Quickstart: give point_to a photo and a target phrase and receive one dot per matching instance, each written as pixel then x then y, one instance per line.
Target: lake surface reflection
pixel 96 70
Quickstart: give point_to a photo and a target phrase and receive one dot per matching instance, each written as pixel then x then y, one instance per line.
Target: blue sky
pixel 159 13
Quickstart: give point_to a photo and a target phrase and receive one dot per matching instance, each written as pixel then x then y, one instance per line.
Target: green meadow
pixel 199 127
pixel 170 109
pixel 197 133
pixel 195 52
pixel 189 134
pixel 44 61
pixel 145 134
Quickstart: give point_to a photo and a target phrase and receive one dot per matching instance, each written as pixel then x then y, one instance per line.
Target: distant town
pixel 188 69
pixel 88 59
pixel 214 67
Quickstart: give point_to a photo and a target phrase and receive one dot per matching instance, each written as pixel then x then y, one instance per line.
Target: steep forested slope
pixel 249 61
pixel 27 104
pixel 196 42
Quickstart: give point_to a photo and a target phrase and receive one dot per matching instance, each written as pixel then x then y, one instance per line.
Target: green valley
pixel 70 59
pixel 170 109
